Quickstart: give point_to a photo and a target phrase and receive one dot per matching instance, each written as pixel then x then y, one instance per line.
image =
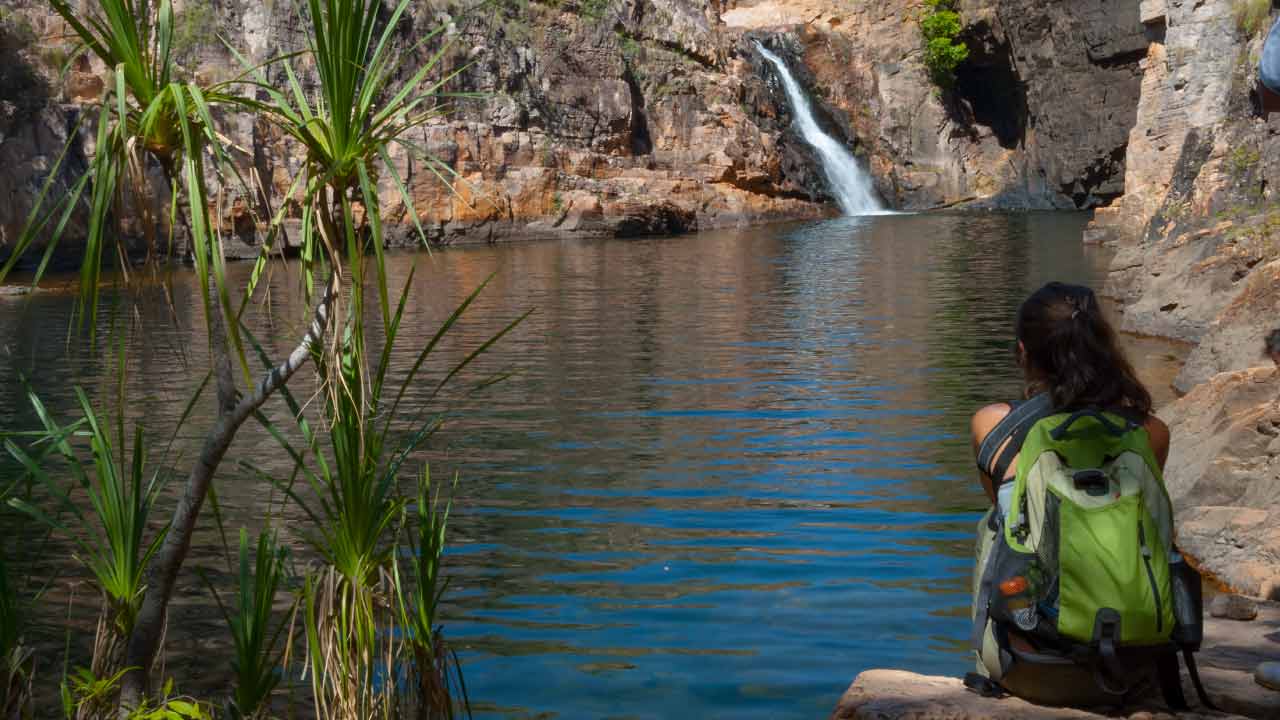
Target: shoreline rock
pixel 1233 650
pixel 902 695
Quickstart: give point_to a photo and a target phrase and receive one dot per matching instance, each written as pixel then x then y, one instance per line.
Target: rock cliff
pixel 632 117
pixel 1038 117
pixel 1197 235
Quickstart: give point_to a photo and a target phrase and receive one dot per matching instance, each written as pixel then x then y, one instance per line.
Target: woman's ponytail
pixel 1071 351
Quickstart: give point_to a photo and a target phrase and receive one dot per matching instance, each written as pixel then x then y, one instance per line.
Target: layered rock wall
pixel 629 117
pixel 1038 117
pixel 1197 235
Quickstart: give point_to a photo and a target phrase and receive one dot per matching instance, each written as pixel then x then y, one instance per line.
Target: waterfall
pixel 851 186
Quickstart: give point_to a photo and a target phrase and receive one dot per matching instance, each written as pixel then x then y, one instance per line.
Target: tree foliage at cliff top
pixel 943 50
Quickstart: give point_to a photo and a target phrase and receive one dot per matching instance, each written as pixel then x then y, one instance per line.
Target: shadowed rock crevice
pixel 988 90
pixel 641 141
pixel 1088 191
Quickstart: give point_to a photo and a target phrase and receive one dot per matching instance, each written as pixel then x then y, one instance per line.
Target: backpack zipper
pixel 1151 575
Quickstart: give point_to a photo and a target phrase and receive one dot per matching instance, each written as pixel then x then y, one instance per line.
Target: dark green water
pixel 730 471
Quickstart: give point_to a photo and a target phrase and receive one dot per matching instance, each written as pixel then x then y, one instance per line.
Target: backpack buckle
pixel 1094 483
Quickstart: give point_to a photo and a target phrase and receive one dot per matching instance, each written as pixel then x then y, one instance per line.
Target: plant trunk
pixel 144 642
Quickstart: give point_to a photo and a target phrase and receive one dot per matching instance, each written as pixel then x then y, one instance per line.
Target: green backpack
pixel 1075 585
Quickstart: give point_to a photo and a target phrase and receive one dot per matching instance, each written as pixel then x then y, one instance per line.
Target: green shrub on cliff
pixel 1251 15
pixel 1242 159
pixel 593 9
pixel 943 50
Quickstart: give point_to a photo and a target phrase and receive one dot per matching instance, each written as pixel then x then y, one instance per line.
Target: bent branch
pixel 145 639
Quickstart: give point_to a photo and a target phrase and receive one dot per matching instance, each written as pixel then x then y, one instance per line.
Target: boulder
pixel 1234 338
pixel 1223 476
pixel 1230 657
pixel 1267 675
pixel 1230 606
pixel 1229 663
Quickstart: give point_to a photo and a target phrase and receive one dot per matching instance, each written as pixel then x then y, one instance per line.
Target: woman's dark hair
pixel 1071 352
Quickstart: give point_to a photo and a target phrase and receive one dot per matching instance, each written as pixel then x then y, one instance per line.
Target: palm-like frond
pixel 436 688
pixel 110 535
pixel 257 641
pixel 348 124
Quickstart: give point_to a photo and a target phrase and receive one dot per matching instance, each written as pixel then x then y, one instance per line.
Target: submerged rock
pixel 1268 675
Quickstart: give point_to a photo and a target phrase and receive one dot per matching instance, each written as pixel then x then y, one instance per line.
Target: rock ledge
pixel 901 695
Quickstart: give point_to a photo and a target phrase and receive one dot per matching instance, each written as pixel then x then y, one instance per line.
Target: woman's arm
pixel 984 421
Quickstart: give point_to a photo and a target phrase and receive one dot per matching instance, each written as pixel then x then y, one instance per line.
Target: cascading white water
pixel 851 186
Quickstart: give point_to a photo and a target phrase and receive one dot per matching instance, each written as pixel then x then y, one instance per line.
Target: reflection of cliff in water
pixel 715 454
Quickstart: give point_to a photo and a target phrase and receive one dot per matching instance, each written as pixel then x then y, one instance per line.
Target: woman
pixel 1068 350
pixel 1070 362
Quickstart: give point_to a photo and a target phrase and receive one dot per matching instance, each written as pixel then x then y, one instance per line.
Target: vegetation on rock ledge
pixel 1251 16
pixel 943 50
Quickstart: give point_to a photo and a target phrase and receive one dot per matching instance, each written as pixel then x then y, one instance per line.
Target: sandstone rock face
pixel 1197 226
pixel 1223 476
pixel 1038 118
pixel 1197 237
pixel 623 117
pixel 34 128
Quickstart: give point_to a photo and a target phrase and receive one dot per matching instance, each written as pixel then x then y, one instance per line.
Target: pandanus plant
pixel 260 644
pixel 366 102
pixel 361 110
pixel 145 119
pixel 16 659
pixel 111 535
pixel 435 681
pixel 367 631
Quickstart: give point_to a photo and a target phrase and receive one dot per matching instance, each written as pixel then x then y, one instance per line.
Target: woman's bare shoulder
pixel 986 419
pixel 1158 434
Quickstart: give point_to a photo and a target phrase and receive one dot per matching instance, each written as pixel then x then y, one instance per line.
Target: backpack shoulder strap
pixel 1014 428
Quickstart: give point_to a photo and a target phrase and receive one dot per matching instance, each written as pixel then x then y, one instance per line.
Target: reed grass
pixel 259 643
pixel 434 688
pixel 17 661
